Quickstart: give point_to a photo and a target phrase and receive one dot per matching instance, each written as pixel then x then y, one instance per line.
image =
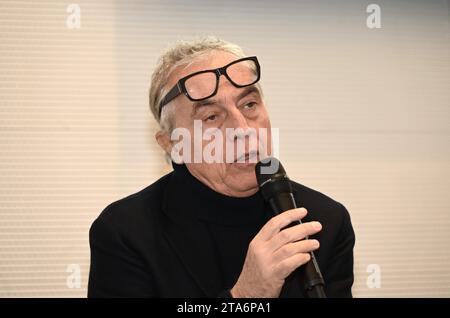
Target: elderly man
pixel 204 230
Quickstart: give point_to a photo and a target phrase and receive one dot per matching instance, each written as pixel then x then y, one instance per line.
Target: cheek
pixel 264 118
pixel 210 171
pixel 264 134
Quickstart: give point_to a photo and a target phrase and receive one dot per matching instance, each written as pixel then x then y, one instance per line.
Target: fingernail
pixel 303 210
pixel 316 225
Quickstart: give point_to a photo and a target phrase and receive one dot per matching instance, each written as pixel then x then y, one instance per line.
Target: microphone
pixel 276 189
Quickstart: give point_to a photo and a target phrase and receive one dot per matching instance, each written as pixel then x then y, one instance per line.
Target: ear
pixel 163 139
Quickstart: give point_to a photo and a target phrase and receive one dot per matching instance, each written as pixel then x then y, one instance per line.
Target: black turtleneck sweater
pixel 231 222
pixel 179 238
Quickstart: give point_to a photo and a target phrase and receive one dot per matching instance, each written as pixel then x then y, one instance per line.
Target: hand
pixel 274 253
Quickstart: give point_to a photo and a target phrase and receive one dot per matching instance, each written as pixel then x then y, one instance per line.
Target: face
pixel 230 109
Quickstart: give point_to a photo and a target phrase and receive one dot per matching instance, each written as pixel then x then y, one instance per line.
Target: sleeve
pixel 116 270
pixel 339 274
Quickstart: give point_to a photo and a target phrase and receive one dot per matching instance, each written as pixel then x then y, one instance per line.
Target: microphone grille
pixel 272 178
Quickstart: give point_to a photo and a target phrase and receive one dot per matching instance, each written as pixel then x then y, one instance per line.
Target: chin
pixel 245 181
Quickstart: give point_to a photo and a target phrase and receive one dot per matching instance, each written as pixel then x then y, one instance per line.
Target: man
pixel 204 230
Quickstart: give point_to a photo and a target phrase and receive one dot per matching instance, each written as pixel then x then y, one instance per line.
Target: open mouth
pixel 248 157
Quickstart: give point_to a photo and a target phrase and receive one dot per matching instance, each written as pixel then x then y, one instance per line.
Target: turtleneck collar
pixel 190 198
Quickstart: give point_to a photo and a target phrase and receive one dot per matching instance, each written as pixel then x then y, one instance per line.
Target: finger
pixel 287 266
pixel 290 249
pixel 278 222
pixel 293 234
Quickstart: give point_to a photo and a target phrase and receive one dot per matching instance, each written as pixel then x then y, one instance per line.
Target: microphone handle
pixel 314 282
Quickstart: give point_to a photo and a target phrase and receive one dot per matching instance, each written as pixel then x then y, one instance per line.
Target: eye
pixel 250 105
pixel 210 118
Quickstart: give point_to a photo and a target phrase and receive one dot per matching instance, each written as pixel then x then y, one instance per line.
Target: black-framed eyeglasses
pixel 204 84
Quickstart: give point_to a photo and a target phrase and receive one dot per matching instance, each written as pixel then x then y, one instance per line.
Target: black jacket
pixel 141 246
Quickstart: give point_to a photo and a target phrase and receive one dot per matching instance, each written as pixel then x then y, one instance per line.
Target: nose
pixel 237 121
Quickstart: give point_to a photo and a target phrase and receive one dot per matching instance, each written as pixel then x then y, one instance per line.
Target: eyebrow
pixel 211 101
pixel 247 91
pixel 203 103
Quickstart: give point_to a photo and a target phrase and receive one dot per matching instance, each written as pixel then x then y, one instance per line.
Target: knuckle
pixel 254 245
pixel 300 232
pixel 285 250
pixel 292 214
pixel 301 247
pixel 308 245
pixel 277 222
pixel 282 267
pixel 285 236
pixel 273 224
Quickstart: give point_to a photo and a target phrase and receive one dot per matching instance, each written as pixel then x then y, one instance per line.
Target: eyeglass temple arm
pixel 174 92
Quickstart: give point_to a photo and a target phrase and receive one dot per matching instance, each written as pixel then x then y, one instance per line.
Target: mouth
pixel 248 158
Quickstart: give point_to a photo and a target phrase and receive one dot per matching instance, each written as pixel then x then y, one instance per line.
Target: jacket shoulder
pixel 136 208
pixel 319 205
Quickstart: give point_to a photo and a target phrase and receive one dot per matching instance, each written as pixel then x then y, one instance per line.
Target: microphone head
pixel 272 178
